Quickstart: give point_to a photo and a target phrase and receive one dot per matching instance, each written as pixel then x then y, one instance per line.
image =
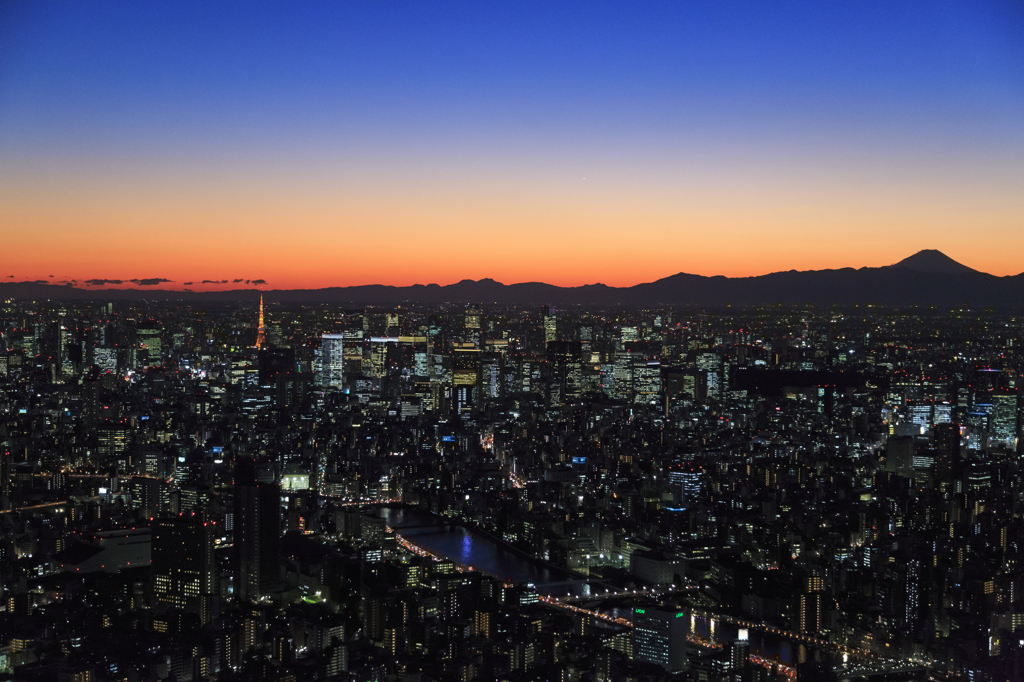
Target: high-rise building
pixel 812 605
pixel 149 339
pixel 550 324
pixel 1003 419
pixel 911 584
pixel 947 452
pixel 257 525
pixel 685 484
pixel 6 497
pixel 184 572
pixel 332 360
pixel 739 654
pixel 659 637
pixel 899 456
pixel 106 359
pixel 113 438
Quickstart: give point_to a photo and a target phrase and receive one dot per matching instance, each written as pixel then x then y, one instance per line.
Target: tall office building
pixel 911 593
pixel 739 654
pixel 947 452
pixel 184 571
pixel 6 490
pixel 113 438
pixel 257 541
pixel 685 484
pixel 899 456
pixel 1003 419
pixel 149 339
pixel 659 637
pixel 332 360
pixel 812 603
pixel 550 324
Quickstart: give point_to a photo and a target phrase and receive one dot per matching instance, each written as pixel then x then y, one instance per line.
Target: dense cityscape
pixel 474 492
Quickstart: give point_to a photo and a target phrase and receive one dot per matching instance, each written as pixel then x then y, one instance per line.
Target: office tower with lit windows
pixel 659 637
pixel 685 484
pixel 1003 421
pixel 149 336
pixel 332 361
pixel 113 438
pixel 184 571
pixel 550 324
pixel 812 605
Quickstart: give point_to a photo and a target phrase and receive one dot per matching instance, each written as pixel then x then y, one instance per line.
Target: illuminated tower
pixel 261 334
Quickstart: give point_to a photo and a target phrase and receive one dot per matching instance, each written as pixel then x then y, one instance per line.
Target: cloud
pixel 51 275
pixel 215 281
pixel 12 276
pixel 103 282
pixel 149 282
pixel 239 280
pixel 259 281
pixel 40 281
pixel 187 289
pixel 187 283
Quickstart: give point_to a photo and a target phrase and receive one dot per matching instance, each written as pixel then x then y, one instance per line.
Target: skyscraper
pixel 685 484
pixel 739 654
pixel 812 605
pixel 1003 418
pixel 659 637
pixel 332 361
pixel 947 452
pixel 257 532
pixel 184 572
pixel 550 324
pixel 149 340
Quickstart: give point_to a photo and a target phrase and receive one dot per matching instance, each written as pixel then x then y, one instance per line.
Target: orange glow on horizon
pixel 327 227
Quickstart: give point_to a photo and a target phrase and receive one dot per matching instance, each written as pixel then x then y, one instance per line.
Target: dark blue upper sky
pixel 77 74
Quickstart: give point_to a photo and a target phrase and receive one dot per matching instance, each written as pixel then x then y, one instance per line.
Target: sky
pixel 319 144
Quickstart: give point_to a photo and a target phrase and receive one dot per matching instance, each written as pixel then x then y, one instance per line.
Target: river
pixel 471 548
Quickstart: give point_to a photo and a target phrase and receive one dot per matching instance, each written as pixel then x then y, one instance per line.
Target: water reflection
pixel 470 548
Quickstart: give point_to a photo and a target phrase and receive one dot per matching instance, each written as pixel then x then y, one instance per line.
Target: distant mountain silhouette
pixel 930 260
pixel 928 277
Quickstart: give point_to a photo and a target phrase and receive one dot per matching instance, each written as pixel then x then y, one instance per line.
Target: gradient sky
pixel 316 144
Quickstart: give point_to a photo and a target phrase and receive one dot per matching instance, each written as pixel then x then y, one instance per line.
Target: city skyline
pixel 368 144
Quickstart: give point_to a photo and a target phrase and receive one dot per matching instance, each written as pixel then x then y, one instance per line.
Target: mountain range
pixel 928 277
